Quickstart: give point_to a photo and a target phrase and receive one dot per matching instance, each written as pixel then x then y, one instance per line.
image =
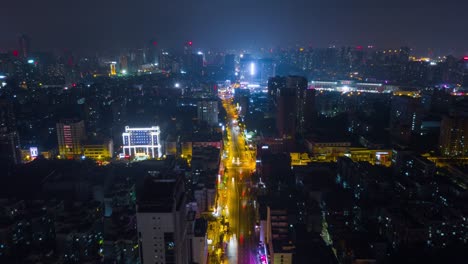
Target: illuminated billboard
pixel 143 141
pixel 33 152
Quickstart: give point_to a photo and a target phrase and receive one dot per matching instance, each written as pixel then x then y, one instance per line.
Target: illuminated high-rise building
pixel 71 135
pixel 249 68
pixel 24 43
pixel 256 70
pixel 113 70
pixel 142 142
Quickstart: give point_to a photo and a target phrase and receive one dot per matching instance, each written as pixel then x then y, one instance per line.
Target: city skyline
pixel 216 132
pixel 426 26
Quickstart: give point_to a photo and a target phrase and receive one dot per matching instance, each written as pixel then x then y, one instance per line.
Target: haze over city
pixel 426 26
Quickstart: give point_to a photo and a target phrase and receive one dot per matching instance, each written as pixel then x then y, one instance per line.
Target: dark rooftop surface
pixel 158 194
pixel 200 227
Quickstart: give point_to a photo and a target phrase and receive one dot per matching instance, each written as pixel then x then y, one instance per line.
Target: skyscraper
pixel 187 59
pixel 299 85
pixel 113 70
pixel 123 61
pixel 289 96
pixel 197 64
pixel 70 136
pixel 152 52
pixel 162 220
pixel 165 60
pixel 24 44
pixel 229 63
pixel 463 71
pixel 249 69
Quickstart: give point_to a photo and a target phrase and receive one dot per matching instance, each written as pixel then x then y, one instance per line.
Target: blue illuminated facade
pixel 142 142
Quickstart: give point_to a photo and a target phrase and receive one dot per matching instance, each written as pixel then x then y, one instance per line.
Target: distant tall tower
pixel 286 112
pixel 188 58
pixel 188 47
pixel 152 56
pixel 70 136
pixel 165 60
pixel 299 85
pixel 9 140
pixel 113 71
pixel 24 43
pixel 230 63
pixel 289 95
pixel 123 61
pixel 463 71
pixel 197 64
pixel 71 73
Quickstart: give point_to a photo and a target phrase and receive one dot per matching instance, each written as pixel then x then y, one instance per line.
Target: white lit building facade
pixel 142 142
pixel 164 221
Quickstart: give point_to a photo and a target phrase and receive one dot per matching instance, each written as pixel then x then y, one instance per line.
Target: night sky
pixel 88 25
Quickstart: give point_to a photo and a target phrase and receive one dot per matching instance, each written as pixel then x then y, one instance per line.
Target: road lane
pixel 234 213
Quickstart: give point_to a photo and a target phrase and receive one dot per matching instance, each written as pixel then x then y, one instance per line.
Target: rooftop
pixel 160 193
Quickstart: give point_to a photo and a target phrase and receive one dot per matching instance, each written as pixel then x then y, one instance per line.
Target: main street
pixel 235 201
